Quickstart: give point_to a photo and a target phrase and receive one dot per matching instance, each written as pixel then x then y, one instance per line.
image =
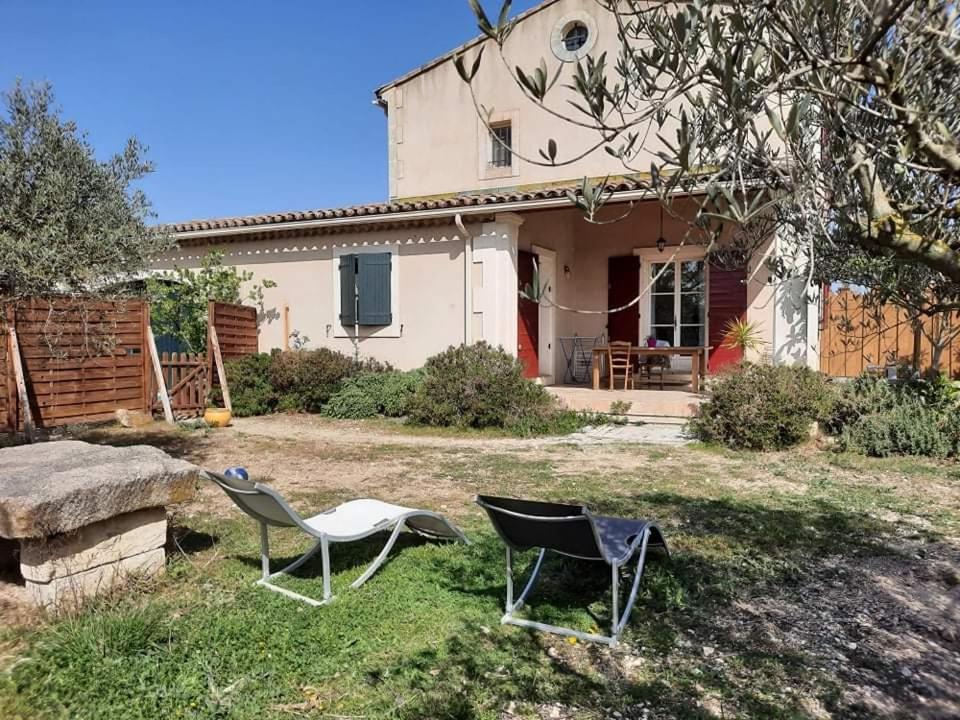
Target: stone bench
pixel 84 517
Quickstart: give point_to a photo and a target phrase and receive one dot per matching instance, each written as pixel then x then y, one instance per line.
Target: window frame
pixel 497 145
pixel 392 330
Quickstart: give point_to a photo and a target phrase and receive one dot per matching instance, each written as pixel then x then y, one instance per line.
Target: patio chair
pixel 571 530
pixel 656 362
pixel 620 359
pixel 353 520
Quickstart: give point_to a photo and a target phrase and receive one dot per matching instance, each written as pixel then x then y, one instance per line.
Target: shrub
pixel 374 393
pixel 914 417
pixel 306 379
pixel 908 429
pixel 352 402
pixel 477 386
pixel 397 392
pixel 250 389
pixel 763 407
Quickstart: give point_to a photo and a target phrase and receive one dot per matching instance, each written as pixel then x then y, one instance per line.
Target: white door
pixel 677 311
pixel 547 264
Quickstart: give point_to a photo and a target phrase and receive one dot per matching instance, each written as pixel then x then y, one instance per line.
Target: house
pixel 441 261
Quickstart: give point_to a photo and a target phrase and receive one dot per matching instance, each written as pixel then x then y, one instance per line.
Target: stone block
pixel 53 488
pixel 71 589
pixel 104 542
pixel 133 418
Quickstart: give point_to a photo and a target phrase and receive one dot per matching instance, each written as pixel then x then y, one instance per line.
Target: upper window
pixel 501 145
pixel 574 36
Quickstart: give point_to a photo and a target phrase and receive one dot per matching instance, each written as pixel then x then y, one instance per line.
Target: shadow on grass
pixel 182 444
pixel 344 557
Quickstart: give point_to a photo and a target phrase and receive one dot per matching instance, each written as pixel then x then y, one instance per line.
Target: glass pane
pixel 692 276
pixel 665 283
pixel 691 335
pixel 691 309
pixel 662 310
pixel 663 333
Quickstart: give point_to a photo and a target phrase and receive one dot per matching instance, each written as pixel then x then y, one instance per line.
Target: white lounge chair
pixel 353 520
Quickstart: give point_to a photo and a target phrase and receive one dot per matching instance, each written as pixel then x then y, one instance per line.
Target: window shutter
pixel 348 290
pixel 373 285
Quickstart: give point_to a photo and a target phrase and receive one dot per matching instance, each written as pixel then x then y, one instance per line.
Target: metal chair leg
pixel 381 558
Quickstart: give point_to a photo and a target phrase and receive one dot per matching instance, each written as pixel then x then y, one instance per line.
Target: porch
pixel 659 405
pixel 641 280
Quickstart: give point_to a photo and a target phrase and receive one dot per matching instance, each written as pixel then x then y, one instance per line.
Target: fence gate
pixel 187 380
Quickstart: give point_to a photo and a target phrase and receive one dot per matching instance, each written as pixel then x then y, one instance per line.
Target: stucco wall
pixel 438 145
pixel 437 140
pixel 431 289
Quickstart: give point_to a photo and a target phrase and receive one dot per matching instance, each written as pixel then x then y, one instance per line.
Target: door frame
pixel 649 256
pixel 547 267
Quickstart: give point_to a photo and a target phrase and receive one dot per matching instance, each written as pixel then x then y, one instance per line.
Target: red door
pixel 727 301
pixel 623 276
pixel 528 319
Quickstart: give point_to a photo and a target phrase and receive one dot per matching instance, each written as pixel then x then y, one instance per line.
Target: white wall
pixel 431 289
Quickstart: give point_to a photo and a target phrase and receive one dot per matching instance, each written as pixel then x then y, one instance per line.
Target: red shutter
pixel 727 301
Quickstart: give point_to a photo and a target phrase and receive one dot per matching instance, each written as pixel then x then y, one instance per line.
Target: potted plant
pixel 216 417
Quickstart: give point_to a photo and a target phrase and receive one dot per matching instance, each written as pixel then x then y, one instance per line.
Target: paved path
pixel 646 434
pixel 317 429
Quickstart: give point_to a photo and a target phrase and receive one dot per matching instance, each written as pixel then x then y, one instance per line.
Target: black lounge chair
pixel 571 530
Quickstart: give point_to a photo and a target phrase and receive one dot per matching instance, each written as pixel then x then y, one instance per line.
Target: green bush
pixel 250 389
pixel 763 407
pixel 397 392
pixel 374 393
pixel 478 386
pixel 306 379
pixel 352 402
pixel 874 416
pixel 908 429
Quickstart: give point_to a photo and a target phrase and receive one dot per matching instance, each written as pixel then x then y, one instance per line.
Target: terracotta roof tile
pixel 277 220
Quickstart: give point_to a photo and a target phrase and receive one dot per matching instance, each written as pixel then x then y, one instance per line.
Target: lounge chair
pixel 571 530
pixel 353 520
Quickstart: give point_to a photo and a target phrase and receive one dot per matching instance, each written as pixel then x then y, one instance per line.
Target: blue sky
pixel 246 107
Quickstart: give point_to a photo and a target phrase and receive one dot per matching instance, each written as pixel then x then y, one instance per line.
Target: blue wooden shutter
pixel 373 289
pixel 348 290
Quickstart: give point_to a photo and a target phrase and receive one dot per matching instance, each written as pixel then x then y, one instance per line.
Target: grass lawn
pixel 802 585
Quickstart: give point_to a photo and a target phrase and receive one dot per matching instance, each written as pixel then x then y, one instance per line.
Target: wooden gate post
pixel 158 371
pixel 13 413
pixel 218 358
pixel 21 386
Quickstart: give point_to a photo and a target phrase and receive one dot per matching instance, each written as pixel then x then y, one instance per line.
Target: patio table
pixel 697 355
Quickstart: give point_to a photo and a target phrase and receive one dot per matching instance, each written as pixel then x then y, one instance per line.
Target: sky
pixel 246 107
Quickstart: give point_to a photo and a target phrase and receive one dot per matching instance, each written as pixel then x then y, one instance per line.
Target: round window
pixel 573 36
pixel 576 37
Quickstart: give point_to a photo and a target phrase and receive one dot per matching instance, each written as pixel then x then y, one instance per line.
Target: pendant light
pixel 661 241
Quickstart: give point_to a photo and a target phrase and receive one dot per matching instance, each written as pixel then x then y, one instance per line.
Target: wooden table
pixel 697 355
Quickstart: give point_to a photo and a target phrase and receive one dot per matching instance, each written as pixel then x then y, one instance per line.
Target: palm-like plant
pixel 740 334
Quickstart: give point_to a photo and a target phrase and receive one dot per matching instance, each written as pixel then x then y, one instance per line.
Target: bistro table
pixel 697 355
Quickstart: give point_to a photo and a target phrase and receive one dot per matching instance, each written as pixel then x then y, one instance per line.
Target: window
pixel 365 290
pixel 573 36
pixel 576 37
pixel 501 145
pixel 678 302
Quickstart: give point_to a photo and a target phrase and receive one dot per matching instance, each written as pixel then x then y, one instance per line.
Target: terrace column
pixel 495 282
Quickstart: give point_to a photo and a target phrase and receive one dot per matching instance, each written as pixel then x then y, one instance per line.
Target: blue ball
pixel 237 472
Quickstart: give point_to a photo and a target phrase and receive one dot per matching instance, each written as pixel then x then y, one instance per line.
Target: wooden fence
pixel 85 359
pixel 82 360
pixel 856 336
pixel 236 329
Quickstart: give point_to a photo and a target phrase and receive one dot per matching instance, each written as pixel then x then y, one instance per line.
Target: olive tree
pixel 836 121
pixel 70 224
